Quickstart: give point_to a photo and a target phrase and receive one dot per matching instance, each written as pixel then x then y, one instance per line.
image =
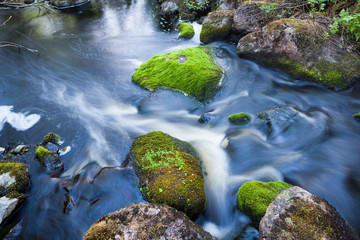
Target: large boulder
pixel 14 180
pixel 297 214
pixel 192 71
pixel 145 221
pixel 216 26
pixel 254 197
pixel 298 48
pixel 169 172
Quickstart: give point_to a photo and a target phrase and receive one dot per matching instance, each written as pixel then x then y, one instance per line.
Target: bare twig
pixel 16 45
pixel 3 24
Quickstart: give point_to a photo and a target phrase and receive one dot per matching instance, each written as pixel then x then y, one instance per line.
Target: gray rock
pixel 53 162
pixel 160 222
pixel 6 180
pixel 249 18
pixel 297 214
pixel 279 116
pixel 18 149
pixel 2 150
pixel 7 206
pixel 170 7
pixel 216 26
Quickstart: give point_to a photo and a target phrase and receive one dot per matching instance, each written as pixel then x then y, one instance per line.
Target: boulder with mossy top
pixel 186 30
pixel 192 71
pixel 169 172
pixel 52 138
pixel 357 116
pixel 298 48
pixel 146 221
pixel 239 118
pixel 298 214
pixel 14 180
pixel 216 26
pixel 50 160
pixel 254 197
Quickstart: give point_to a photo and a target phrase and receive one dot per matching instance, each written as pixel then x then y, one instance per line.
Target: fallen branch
pixel 15 45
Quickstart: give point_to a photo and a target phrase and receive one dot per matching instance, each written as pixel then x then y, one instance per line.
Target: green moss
pixel 186 30
pixel 191 70
pixel 52 138
pixel 255 197
pixel 19 172
pixel 101 231
pixel 239 118
pixel 15 194
pixel 357 116
pixel 169 172
pixel 40 153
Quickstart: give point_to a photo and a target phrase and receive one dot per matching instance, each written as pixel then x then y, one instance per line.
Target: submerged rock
pixel 278 116
pixel 14 181
pixel 254 197
pixel 206 117
pixel 216 26
pixel 49 159
pixel 297 214
pixel 192 71
pixel 296 47
pixel 239 118
pixel 186 30
pixel 146 221
pixel 169 172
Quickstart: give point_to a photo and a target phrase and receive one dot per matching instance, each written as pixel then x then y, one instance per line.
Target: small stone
pixel 64 150
pixel 239 118
pixel 18 149
pixel 2 150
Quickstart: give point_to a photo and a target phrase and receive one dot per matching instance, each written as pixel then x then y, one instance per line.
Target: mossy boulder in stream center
pixel 192 71
pixel 254 197
pixel 239 118
pixel 169 172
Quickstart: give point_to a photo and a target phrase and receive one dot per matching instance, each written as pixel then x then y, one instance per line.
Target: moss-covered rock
pixel 239 118
pixel 192 71
pixel 14 178
pixel 49 159
pixel 146 221
pixel 296 47
pixel 186 30
pixel 52 138
pixel 67 3
pixel 255 197
pixel 216 26
pixel 297 214
pixel 169 172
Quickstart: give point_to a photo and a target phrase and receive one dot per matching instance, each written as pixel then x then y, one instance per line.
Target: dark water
pixel 79 85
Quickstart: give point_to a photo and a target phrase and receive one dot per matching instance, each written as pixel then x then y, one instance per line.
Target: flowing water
pixel 78 84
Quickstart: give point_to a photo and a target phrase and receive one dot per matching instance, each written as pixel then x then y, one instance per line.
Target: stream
pixel 78 85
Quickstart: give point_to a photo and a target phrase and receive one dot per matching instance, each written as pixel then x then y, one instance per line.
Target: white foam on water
pixel 19 121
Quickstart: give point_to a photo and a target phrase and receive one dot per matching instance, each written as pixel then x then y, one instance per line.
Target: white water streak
pixel 19 121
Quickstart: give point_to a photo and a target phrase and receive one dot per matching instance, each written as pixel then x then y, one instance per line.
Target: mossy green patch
pixel 254 197
pixel 192 71
pixel 186 30
pixel 40 153
pixel 19 172
pixel 169 172
pixel 239 118
pixel 357 116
